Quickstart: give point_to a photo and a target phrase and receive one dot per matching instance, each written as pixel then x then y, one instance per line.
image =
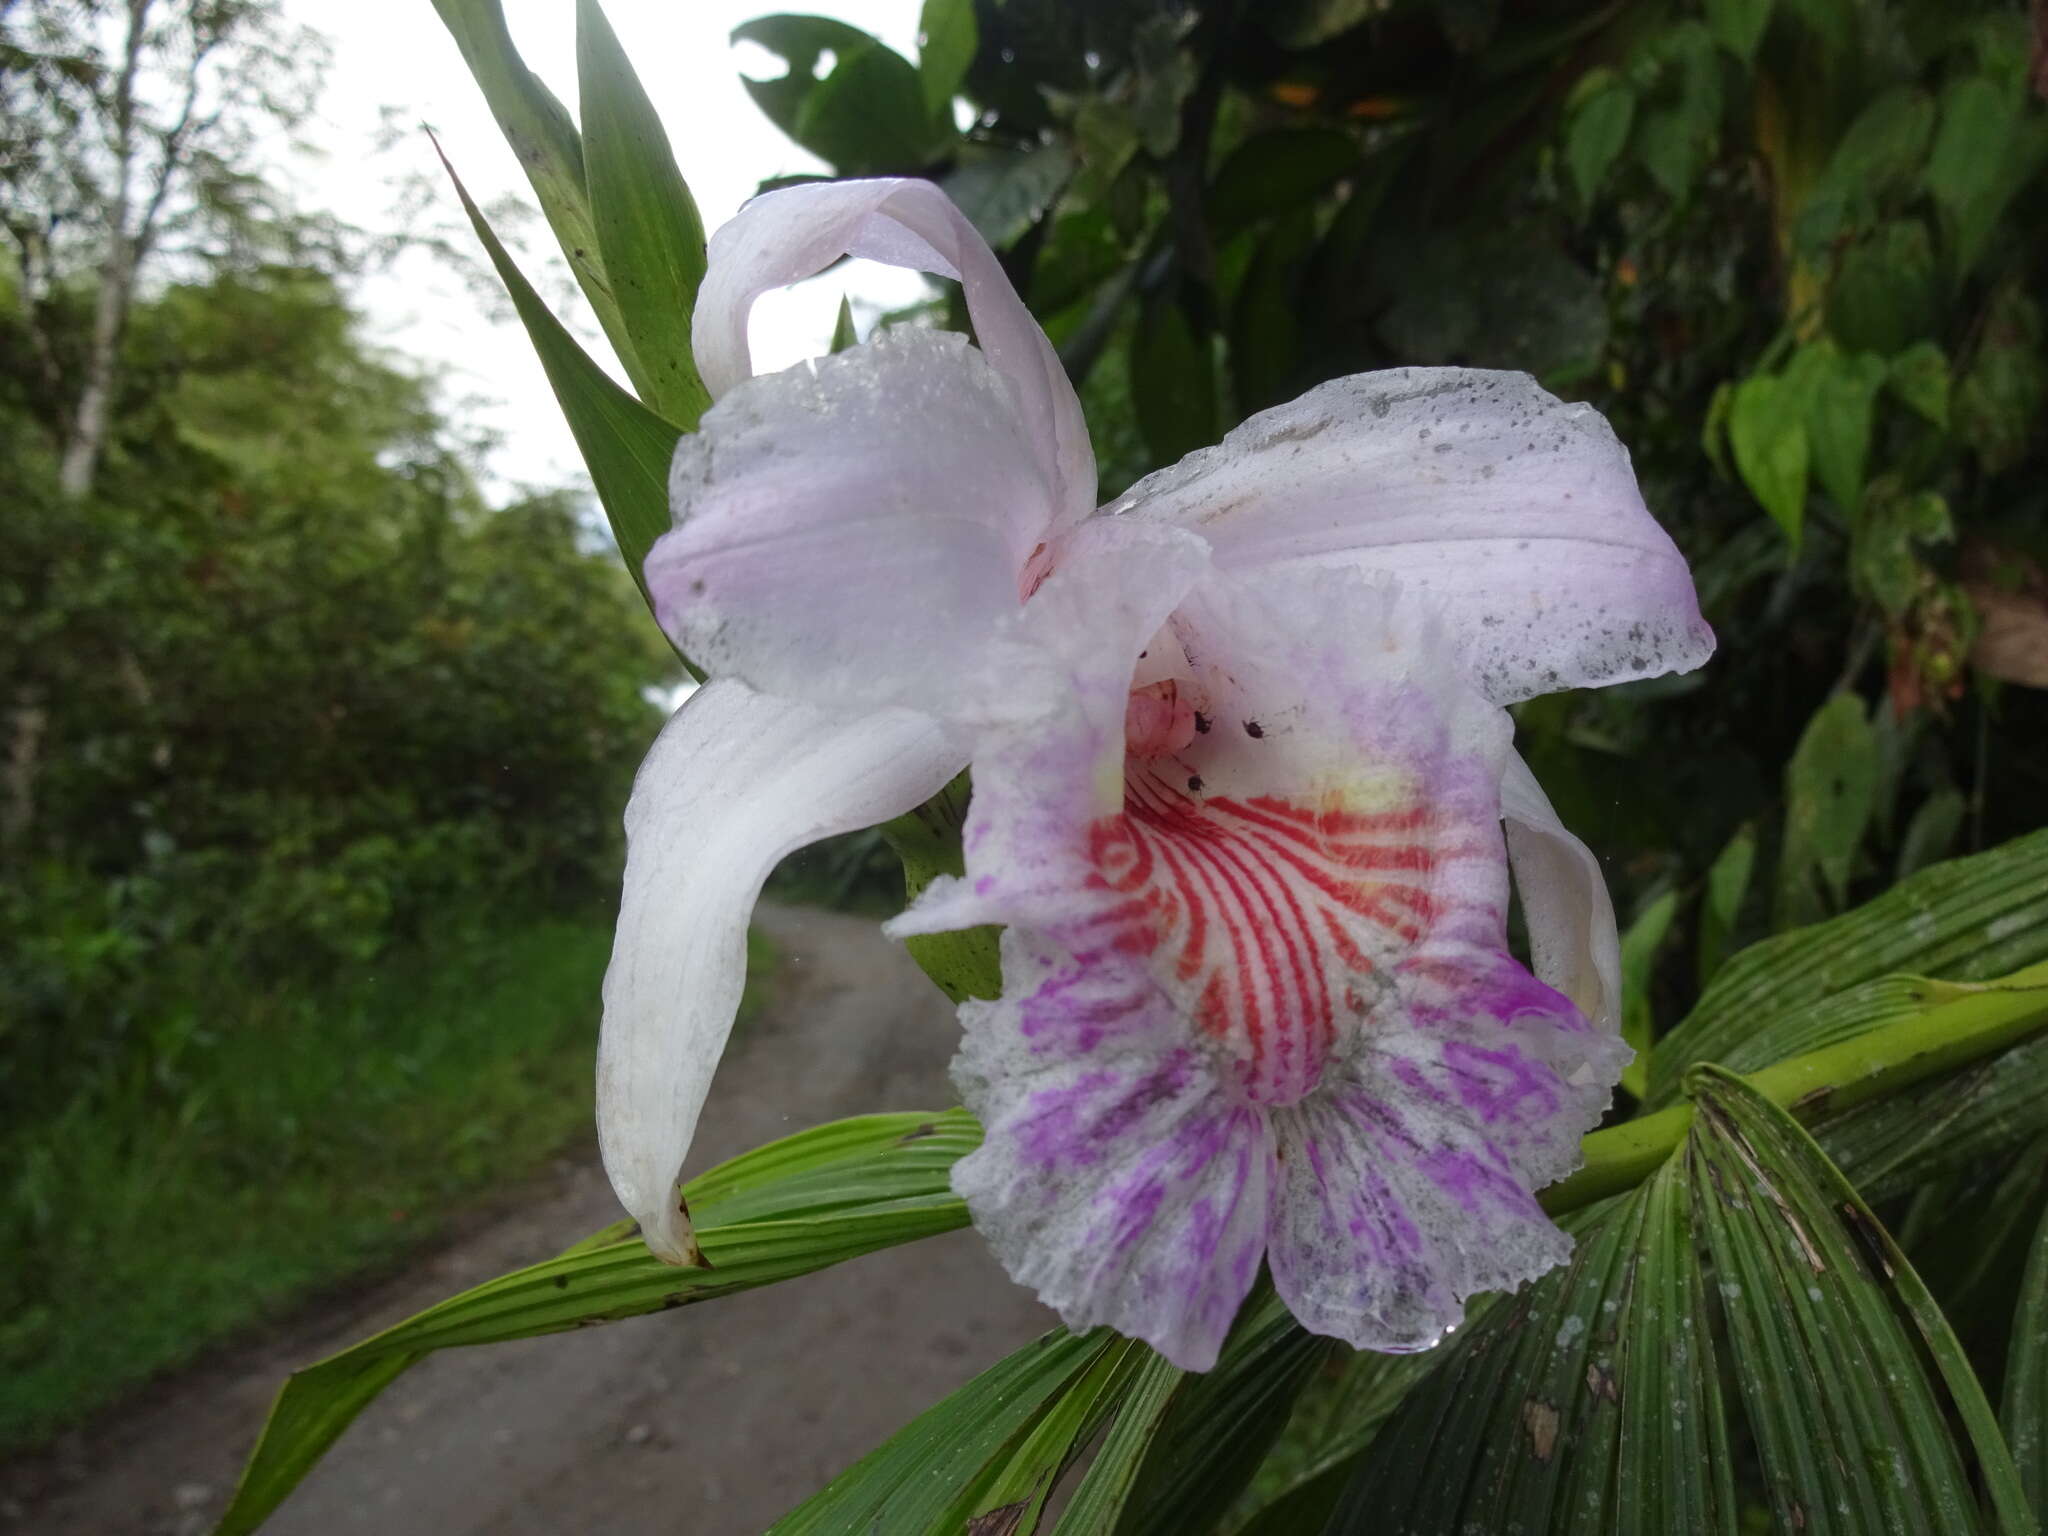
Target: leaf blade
pixel 649 236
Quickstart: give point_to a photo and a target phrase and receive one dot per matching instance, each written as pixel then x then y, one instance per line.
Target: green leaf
pixel 868 116
pixel 548 149
pixel 1982 155
pixel 1881 153
pixel 1677 129
pixel 1830 789
pixel 801 42
pixel 1849 1372
pixel 2025 1413
pixel 2000 398
pixel 1100 1499
pixel 913 1480
pixel 1173 382
pixel 1595 137
pixel 1011 1493
pixel 1586 1402
pixel 625 446
pixel 796 1205
pixel 1839 408
pixel 1932 832
pixel 1265 339
pixel 1334 1420
pixel 1738 25
pixel 1966 920
pixel 1721 907
pixel 843 333
pixel 1276 172
pixel 1638 957
pixel 946 39
pixel 1004 192
pixel 1884 564
pixel 1219 1426
pixel 648 232
pixel 1919 377
pixel 1769 442
pixel 968 961
pixel 1885 295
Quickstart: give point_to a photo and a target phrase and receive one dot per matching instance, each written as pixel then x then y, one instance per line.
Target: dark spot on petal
pixel 1201 723
pixel 1195 782
pixel 1253 729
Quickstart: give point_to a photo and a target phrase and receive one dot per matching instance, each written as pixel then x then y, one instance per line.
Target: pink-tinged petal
pixel 735 781
pixel 852 532
pixel 1518 514
pixel 1573 945
pixel 1120 1178
pixel 785 236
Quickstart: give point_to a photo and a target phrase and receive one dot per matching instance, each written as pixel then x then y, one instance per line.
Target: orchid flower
pixel 1245 801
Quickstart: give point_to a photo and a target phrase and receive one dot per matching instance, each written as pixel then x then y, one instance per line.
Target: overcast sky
pixel 396 54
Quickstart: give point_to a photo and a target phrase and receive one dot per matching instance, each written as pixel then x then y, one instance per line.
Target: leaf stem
pixel 1918 1045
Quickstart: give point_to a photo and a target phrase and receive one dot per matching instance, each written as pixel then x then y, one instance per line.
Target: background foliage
pixel 285 701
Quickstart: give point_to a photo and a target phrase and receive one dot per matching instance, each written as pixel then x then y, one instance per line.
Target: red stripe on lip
pixel 1262 913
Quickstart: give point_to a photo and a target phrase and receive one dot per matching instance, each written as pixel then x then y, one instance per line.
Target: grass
pixel 310 1138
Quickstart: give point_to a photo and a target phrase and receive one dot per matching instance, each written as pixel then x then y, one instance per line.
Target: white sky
pixel 396 53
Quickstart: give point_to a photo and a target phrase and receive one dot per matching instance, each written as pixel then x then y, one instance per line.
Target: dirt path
pixel 711 1421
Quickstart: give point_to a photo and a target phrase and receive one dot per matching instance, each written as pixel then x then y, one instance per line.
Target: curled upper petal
pixel 852 531
pixel 1516 513
pixel 735 781
pixel 785 236
pixel 1573 945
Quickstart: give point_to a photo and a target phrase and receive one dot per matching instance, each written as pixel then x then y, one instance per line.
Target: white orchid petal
pixel 852 533
pixel 735 781
pixel 1517 513
pixel 1573 945
pixel 785 236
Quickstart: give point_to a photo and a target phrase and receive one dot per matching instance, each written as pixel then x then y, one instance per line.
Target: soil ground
pixel 708 1421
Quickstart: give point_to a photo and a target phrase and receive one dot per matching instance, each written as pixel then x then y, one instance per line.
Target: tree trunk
pixel 89 422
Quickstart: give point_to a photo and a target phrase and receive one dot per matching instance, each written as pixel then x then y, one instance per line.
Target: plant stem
pixel 1922 1044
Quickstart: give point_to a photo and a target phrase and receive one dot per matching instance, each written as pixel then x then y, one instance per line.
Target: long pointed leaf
pixel 1100 1499
pixel 549 150
pixel 647 228
pixel 912 1482
pixel 793 1206
pixel 625 446
pixel 2026 1379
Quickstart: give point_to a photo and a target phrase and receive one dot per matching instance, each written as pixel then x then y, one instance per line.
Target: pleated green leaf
pixel 1964 920
pixel 796 1205
pixel 1587 1402
pixel 625 446
pixel 648 232
pixel 1333 1420
pixel 2025 1416
pixel 1866 1415
pixel 1101 1496
pixel 1219 1426
pixel 1010 1495
pixel 915 1481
